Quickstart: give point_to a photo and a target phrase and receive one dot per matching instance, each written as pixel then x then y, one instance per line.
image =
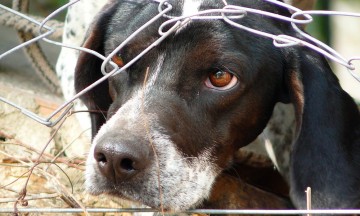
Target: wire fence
pixel 55 120
pixel 228 13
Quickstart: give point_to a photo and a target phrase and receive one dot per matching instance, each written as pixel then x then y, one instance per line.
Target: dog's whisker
pixel 187 158
pixel 101 112
pixel 236 172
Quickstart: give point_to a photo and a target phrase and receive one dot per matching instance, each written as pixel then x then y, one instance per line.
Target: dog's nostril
pixel 119 161
pixel 127 164
pixel 100 157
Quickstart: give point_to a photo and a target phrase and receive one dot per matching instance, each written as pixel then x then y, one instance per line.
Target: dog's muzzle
pixel 133 157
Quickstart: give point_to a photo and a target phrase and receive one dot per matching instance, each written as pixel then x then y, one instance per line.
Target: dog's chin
pixel 173 197
pixel 167 205
pixel 158 204
pixel 171 203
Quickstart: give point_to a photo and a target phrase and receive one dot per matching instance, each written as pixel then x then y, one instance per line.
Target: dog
pixel 176 117
pixel 238 193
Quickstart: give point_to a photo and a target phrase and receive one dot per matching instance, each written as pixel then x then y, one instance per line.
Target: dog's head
pixel 175 118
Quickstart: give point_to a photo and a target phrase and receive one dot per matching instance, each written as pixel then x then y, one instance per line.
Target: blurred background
pixel 40 7
pixel 342 34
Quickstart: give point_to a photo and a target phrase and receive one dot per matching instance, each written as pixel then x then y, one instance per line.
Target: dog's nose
pixel 120 161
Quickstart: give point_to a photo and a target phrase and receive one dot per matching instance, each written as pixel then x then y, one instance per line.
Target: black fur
pixel 326 152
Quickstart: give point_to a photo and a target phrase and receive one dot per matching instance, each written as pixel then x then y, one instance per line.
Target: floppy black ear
pixel 88 70
pixel 326 152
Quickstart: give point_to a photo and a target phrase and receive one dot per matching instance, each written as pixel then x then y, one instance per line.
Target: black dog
pixel 210 89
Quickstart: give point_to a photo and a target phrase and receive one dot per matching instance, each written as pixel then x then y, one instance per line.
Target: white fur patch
pixel 270 150
pixel 186 182
pixel 190 7
pixel 279 135
pixel 157 70
pixel 79 18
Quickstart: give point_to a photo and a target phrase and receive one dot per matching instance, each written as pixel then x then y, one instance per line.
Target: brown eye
pixel 117 59
pixel 221 80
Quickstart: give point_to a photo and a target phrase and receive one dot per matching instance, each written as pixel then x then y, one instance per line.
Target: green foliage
pixel 45 7
pixel 41 7
pixel 320 28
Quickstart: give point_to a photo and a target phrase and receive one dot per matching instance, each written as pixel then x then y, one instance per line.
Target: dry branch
pixel 32 197
pixel 74 163
pixel 70 163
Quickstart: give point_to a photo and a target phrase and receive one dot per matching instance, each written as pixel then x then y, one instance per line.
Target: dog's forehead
pixel 124 23
pixel 131 15
pixel 205 41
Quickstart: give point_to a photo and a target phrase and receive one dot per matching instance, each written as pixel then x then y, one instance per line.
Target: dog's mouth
pixel 171 182
pixel 175 190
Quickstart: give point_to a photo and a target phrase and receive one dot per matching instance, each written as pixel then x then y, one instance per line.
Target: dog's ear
pixel 88 70
pixel 327 139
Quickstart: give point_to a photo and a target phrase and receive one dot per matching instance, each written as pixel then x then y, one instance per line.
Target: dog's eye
pixel 221 80
pixel 117 59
